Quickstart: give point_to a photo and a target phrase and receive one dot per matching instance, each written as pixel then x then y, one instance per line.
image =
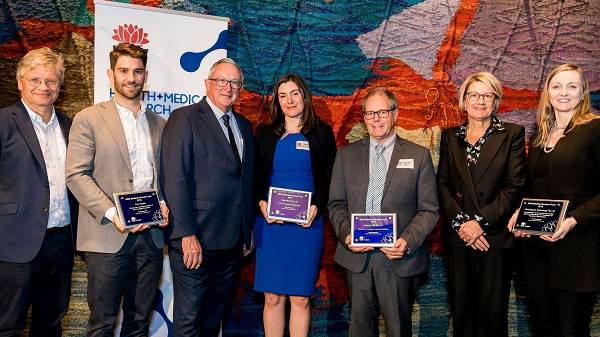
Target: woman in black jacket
pixel 295 150
pixel 562 270
pixel 481 178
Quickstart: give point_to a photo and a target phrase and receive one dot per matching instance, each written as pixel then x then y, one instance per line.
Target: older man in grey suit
pixel 114 148
pixel 383 174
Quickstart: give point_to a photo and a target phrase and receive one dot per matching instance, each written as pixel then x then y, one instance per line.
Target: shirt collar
pixel 495 126
pixel 218 112
pixel 124 111
pixel 37 118
pixel 386 144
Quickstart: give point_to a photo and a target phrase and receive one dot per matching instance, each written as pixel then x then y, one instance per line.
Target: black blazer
pixel 574 170
pixel 493 191
pixel 206 192
pixel 322 155
pixel 24 186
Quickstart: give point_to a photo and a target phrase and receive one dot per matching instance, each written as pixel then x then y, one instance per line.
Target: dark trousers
pixel 553 312
pixel 203 296
pixel 478 290
pixel 378 290
pixel 131 274
pixel 44 283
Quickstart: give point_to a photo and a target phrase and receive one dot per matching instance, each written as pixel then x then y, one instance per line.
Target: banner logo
pixel 191 61
pixel 129 33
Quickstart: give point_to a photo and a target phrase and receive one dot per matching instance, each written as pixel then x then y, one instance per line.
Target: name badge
pixel 406 163
pixel 302 145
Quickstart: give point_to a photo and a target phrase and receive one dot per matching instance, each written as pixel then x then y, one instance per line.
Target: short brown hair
pixel 128 49
pixel 41 56
pixel 385 92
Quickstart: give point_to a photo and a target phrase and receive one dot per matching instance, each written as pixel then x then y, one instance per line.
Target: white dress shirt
pixel 54 148
pixel 237 134
pixel 139 145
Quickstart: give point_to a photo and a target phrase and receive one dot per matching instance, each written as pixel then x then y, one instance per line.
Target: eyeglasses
pixel 381 113
pixel 36 82
pixel 474 96
pixel 221 82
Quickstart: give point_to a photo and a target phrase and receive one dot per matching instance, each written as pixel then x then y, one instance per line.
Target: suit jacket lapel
pixel 490 148
pixel 154 132
pixel 460 159
pixel 25 126
pixel 247 135
pixel 214 127
pixel 65 125
pixel 113 122
pixel 363 170
pixel 155 141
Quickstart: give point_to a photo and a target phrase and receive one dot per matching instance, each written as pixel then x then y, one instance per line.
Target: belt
pixel 58 229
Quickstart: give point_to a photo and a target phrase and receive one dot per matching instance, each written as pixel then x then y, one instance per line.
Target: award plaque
pixel 373 230
pixel 540 216
pixel 289 205
pixel 135 208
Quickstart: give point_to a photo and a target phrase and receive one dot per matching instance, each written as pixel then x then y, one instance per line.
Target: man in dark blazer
pixel 208 157
pixel 114 148
pixel 37 214
pixel 383 281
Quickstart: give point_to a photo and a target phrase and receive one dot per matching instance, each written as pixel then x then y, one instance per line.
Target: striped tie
pixel 376 181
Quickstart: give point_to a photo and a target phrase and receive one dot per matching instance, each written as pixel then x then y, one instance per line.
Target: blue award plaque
pixel 540 216
pixel 135 208
pixel 288 205
pixel 373 230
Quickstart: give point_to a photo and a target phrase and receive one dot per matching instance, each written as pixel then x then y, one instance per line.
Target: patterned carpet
pixel 430 317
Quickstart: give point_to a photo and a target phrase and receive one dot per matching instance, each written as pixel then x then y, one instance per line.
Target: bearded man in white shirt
pixel 114 149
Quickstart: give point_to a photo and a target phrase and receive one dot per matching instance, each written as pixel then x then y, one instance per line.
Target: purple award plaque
pixel 373 230
pixel 289 205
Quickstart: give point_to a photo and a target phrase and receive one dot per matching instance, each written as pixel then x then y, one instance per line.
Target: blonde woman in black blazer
pixel 481 177
pixel 562 271
pixel 294 150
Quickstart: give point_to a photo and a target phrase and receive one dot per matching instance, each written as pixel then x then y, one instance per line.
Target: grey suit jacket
pixel 408 192
pixel 97 166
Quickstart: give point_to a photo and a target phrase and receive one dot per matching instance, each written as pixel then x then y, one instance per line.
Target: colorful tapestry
pixel 422 50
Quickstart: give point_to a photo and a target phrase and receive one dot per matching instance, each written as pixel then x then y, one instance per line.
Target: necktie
pixel 376 181
pixel 234 148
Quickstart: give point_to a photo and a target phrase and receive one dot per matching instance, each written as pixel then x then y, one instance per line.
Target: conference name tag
pixel 302 145
pixel 406 163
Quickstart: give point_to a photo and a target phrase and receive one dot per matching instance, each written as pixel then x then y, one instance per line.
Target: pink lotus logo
pixel 128 33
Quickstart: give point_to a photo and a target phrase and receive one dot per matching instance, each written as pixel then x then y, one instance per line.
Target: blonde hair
pixel 486 78
pixel 545 113
pixel 41 56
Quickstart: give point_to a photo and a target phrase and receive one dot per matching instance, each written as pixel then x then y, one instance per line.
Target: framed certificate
pixel 540 216
pixel 289 205
pixel 373 230
pixel 135 208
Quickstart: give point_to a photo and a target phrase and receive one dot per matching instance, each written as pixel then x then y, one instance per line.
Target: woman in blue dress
pixel 295 150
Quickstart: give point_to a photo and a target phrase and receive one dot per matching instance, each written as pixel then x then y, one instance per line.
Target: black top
pixel 573 173
pixel 322 155
pixel 492 190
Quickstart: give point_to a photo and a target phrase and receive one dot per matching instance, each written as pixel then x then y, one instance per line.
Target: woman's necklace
pixel 548 149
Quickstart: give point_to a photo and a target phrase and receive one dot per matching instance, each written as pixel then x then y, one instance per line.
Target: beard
pixel 119 87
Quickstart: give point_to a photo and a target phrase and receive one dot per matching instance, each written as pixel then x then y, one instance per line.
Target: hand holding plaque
pixel 540 216
pixel 289 205
pixel 136 208
pixel 373 230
